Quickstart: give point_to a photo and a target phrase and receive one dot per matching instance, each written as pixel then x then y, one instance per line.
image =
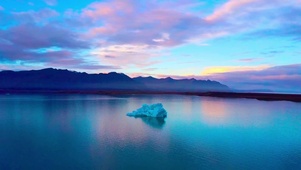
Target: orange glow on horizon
pixel 225 69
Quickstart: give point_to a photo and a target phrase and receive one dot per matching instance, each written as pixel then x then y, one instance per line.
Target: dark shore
pixel 258 96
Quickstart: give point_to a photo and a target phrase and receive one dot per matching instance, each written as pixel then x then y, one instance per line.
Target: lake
pixel 93 132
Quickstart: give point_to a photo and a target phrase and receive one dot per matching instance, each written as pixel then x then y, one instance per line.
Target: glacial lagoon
pixel 93 132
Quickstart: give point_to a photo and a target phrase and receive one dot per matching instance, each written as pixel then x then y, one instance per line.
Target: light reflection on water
pixel 92 132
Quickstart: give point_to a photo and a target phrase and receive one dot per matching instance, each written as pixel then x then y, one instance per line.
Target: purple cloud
pixel 34 38
pixel 41 16
pixel 66 59
pixel 111 23
pixel 158 25
pixel 25 43
pixel 31 36
pixel 279 78
pixel 248 59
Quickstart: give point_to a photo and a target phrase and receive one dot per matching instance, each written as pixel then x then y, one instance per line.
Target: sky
pixel 245 44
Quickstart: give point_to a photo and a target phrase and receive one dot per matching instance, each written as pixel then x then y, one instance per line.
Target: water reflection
pixel 156 123
pixel 93 132
pixel 214 112
pixel 241 112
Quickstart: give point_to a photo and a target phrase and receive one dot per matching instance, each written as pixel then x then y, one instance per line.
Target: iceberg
pixel 154 110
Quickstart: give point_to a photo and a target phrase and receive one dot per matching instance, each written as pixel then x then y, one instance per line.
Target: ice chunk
pixel 154 110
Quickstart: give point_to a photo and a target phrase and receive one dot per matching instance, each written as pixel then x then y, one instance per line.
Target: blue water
pixel 92 132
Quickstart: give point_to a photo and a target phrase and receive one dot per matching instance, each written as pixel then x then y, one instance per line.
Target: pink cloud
pixel 228 8
pixel 117 22
pixel 139 56
pixel 97 31
pixel 233 9
pixel 111 22
pixel 99 10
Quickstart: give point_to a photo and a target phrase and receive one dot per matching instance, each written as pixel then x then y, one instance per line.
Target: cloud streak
pixel 229 8
pixel 51 2
pixel 286 78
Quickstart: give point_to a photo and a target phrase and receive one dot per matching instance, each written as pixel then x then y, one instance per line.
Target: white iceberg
pixel 154 110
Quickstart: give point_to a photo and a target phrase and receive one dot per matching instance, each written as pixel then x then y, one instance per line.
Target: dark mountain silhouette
pixel 188 85
pixel 55 79
pixel 64 79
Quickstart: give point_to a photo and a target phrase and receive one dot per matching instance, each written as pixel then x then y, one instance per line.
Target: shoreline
pixel 258 96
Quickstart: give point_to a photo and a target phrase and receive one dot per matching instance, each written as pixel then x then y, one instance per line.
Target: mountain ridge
pixel 63 79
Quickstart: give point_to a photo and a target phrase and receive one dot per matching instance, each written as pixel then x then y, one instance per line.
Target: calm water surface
pixel 93 132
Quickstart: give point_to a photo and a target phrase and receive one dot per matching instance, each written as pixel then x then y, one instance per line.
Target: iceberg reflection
pixel 154 122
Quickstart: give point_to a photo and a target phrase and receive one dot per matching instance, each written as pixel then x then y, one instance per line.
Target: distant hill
pixel 56 79
pixel 187 85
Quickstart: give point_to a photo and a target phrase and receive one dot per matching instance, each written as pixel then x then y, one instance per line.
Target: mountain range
pixel 57 79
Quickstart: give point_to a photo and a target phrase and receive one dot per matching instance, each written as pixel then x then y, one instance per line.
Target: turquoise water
pixel 92 132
